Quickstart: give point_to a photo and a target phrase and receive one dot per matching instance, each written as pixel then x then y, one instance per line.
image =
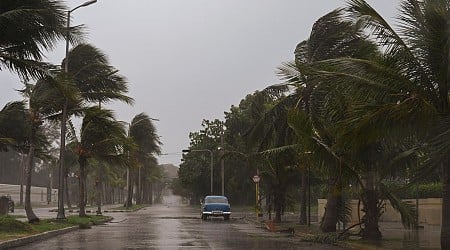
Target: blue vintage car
pixel 216 206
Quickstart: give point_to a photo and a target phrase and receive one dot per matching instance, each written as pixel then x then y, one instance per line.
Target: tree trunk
pixel 23 159
pixel 138 187
pixel 82 182
pixel 445 229
pixel 66 189
pixel 278 205
pixel 370 219
pixel 98 185
pixel 32 218
pixel 331 209
pixel 150 193
pixel 303 198
pixel 144 192
pixel 128 202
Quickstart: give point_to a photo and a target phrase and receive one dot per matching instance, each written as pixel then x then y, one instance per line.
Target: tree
pixel 331 37
pixel 403 92
pixel 102 138
pixel 91 79
pixel 14 130
pixel 41 107
pixel 143 133
pixel 29 27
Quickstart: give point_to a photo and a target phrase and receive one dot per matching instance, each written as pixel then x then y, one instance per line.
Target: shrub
pixel 9 224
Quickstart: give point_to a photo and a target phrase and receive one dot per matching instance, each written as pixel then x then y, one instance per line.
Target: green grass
pixel 10 228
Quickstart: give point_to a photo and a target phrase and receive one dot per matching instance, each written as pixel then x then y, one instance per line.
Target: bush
pixel 9 224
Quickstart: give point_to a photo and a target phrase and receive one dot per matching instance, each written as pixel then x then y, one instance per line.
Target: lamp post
pixel 61 214
pixel 212 162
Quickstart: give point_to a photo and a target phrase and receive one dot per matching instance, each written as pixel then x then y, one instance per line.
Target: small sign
pixel 256 179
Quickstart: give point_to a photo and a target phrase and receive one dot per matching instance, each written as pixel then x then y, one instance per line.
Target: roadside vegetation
pixel 11 228
pixel 361 112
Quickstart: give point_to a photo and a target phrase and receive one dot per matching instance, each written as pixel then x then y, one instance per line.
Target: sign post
pixel 256 180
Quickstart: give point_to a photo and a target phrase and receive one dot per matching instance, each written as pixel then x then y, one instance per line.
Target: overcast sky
pixel 188 60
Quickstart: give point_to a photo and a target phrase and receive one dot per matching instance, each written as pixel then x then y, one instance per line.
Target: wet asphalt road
pixel 172 226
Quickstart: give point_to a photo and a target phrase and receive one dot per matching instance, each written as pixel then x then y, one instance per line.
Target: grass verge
pixel 10 228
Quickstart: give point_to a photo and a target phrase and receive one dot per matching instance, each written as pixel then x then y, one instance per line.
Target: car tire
pixel 204 217
pixel 226 217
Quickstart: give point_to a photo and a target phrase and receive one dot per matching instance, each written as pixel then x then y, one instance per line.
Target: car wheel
pixel 204 217
pixel 226 217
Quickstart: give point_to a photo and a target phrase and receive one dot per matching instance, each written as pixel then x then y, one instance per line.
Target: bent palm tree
pixel 96 81
pixel 407 87
pixel 102 138
pixel 29 27
pixel 143 133
pixel 41 98
pixel 331 37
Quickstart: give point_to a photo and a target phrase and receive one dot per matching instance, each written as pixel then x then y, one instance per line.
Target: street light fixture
pixel 61 214
pixel 212 162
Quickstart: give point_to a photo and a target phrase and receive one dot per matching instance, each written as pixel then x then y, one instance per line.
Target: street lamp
pixel 61 214
pixel 212 162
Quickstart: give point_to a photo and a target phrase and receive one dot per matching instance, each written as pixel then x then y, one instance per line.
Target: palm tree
pixel 331 37
pixel 95 81
pixel 41 98
pixel 404 91
pixel 143 133
pixel 14 131
pixel 29 28
pixel 102 138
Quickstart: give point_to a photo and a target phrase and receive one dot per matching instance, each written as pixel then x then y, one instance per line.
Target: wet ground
pixel 173 226
pixel 396 237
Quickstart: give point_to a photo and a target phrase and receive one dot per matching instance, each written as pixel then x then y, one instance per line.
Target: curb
pixel 36 237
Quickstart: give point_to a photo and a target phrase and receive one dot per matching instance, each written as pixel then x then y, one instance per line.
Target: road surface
pixel 173 226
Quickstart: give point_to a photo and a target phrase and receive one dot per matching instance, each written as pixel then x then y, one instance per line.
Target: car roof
pixel 216 196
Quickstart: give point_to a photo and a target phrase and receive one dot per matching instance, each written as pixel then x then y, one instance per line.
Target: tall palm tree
pixel 331 36
pixel 28 28
pixel 406 87
pixel 102 138
pixel 96 82
pixel 143 133
pixel 41 98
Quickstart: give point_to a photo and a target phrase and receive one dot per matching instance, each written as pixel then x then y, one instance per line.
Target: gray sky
pixel 188 60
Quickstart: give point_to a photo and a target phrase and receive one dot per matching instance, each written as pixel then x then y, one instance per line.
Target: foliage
pixel 10 224
pixel 420 191
pixel 28 29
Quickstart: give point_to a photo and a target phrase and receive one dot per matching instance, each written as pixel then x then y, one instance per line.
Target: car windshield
pixel 216 200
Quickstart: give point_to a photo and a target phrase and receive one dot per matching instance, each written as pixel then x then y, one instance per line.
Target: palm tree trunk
pixel 371 230
pixel 128 202
pixel 98 185
pixel 138 187
pixel 278 204
pixel 150 193
pixel 82 201
pixel 331 209
pixel 28 171
pixel 23 159
pixel 304 185
pixel 445 228
pixel 66 190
